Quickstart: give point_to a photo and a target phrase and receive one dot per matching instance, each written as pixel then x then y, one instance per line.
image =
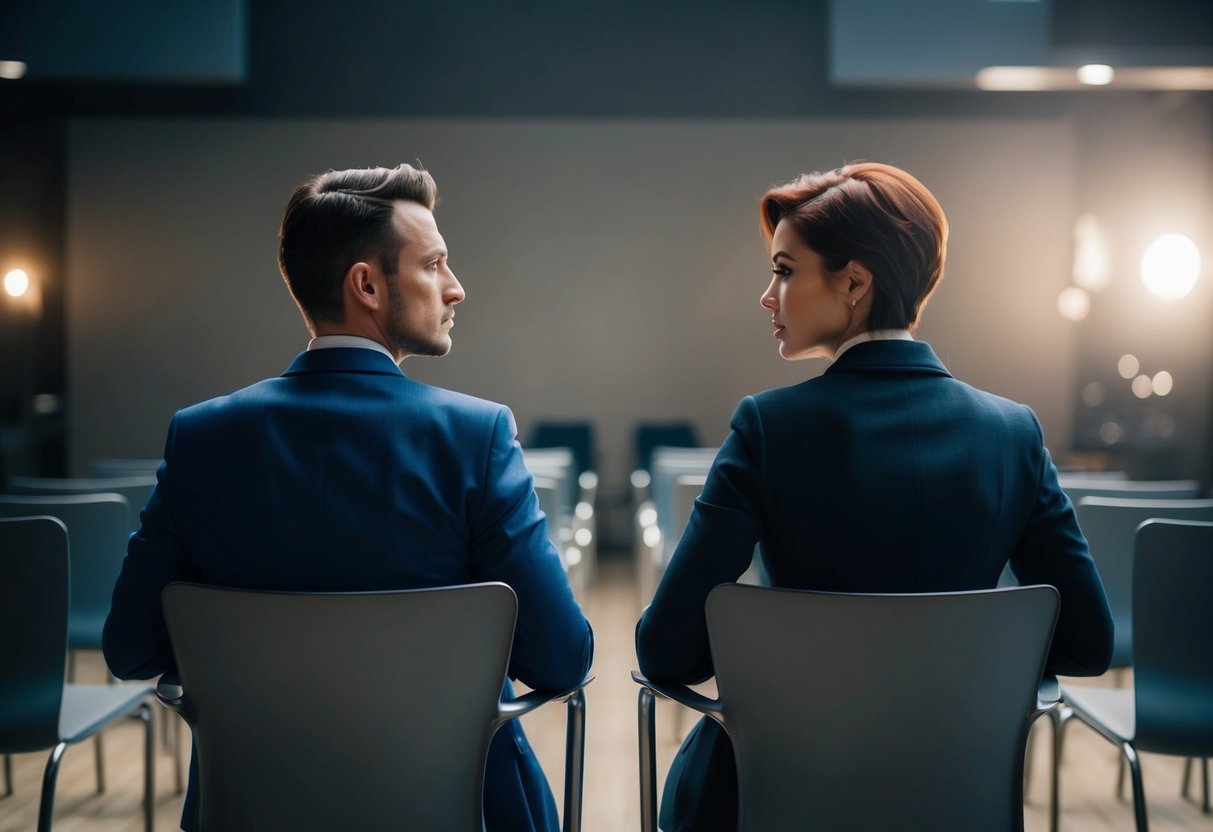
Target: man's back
pixel 345 475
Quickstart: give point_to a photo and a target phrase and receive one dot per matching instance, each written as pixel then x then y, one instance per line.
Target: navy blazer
pixel 884 474
pixel 345 475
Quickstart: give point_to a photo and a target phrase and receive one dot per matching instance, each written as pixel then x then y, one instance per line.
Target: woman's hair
pixel 876 214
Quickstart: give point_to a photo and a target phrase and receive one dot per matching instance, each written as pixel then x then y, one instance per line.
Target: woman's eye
pixel 782 272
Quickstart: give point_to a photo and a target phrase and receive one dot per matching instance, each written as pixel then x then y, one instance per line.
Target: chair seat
pixel 1110 711
pixel 87 709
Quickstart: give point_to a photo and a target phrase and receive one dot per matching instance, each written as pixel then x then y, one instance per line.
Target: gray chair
pixel 870 712
pixel 1135 490
pixel 1167 711
pixel 38 709
pixel 374 710
pixel 136 489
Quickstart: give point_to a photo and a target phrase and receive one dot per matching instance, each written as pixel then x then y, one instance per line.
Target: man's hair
pixel 337 218
pixel 876 214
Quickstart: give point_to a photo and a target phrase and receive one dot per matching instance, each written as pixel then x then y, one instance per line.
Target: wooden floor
pixel 611 797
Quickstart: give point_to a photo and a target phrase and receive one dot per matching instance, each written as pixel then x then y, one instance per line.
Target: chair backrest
pixel 1135 490
pixel 667 466
pixel 115 467
pixel 345 710
pixel 1110 526
pixel 97 529
pixel 652 435
pixel 33 619
pixel 555 464
pixel 1173 621
pixel 687 488
pixel 878 712
pixel 578 437
pixel 136 488
pixel 547 491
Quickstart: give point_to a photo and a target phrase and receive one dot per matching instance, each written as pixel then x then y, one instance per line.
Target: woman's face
pixel 810 307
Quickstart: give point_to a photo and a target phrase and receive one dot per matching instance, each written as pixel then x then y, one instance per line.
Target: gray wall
pixel 612 267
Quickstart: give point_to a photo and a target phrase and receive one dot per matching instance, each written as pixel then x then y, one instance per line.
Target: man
pixel 343 474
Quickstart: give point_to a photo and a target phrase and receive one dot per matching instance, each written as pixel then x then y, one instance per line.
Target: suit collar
pixel 886 356
pixel 343 360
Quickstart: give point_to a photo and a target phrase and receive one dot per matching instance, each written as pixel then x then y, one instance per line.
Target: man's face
pixel 423 292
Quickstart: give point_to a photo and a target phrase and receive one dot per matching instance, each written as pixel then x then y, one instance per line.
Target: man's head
pixel 361 254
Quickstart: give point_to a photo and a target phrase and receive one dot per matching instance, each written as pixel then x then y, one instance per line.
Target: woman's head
pixel 871 223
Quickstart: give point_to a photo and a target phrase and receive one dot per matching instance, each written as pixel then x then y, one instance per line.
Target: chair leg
pixel 46 808
pixel 1058 717
pixel 574 770
pixel 1186 782
pixel 8 775
pixel 1204 792
pixel 1120 778
pixel 1027 760
pixel 99 759
pixel 1139 791
pixel 149 767
pixel 646 707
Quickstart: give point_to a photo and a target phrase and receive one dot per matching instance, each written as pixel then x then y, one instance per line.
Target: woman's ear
pixel 858 280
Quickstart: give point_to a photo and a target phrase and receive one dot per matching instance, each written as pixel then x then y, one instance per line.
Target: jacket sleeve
pixel 1052 550
pixel 716 547
pixel 553 642
pixel 135 640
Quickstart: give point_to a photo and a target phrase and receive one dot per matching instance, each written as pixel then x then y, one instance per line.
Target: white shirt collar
pixel 328 342
pixel 874 335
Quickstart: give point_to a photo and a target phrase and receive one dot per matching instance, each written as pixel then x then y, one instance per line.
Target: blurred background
pixel 599 167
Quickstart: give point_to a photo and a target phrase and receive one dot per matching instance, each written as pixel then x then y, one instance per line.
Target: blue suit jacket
pixel 342 475
pixel 885 474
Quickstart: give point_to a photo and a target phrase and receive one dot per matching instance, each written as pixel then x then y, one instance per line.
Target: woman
pixel 885 474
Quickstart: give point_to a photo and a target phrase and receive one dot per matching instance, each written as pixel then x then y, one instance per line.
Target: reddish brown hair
pixel 876 214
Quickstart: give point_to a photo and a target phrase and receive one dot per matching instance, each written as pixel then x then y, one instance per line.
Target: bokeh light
pixel 1143 388
pixel 1163 383
pixel 1128 365
pixel 16 283
pixel 1096 75
pixel 1170 266
pixel 1074 303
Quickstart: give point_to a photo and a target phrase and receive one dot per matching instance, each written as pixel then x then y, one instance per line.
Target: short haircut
pixel 876 214
pixel 337 218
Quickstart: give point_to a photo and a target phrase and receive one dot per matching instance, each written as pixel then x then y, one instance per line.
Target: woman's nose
pixel 767 300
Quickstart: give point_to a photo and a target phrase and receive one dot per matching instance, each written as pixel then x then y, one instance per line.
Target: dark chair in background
pixel 374 710
pixel 578 437
pixel 870 712
pixel 1167 711
pixel 38 709
pixel 651 435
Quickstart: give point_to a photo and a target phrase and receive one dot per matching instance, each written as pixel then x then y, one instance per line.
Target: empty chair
pixel 577 436
pixel 135 488
pixel 1134 489
pixel 870 712
pixel 38 710
pixel 368 710
pixel 1167 711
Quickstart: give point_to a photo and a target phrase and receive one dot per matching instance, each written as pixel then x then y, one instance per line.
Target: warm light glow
pixel 1096 75
pixel 1012 78
pixel 1074 303
pixel 1092 264
pixel 1110 432
pixel 1170 266
pixel 12 70
pixel 1093 394
pixel 1163 383
pixel 1143 388
pixel 16 283
pixel 1128 366
pixel 583 537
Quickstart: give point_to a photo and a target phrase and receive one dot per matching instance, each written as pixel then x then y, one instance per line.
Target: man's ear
pixel 361 289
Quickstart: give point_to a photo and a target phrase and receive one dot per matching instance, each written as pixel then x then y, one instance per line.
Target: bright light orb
pixel 1092 263
pixel 1074 303
pixel 1128 365
pixel 1096 75
pixel 1143 388
pixel 16 283
pixel 1170 266
pixel 583 537
pixel 1163 383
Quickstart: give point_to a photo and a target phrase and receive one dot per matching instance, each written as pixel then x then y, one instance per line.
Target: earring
pixel 853 302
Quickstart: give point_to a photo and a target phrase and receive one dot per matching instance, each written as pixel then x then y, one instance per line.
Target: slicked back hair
pixel 338 218
pixel 876 214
